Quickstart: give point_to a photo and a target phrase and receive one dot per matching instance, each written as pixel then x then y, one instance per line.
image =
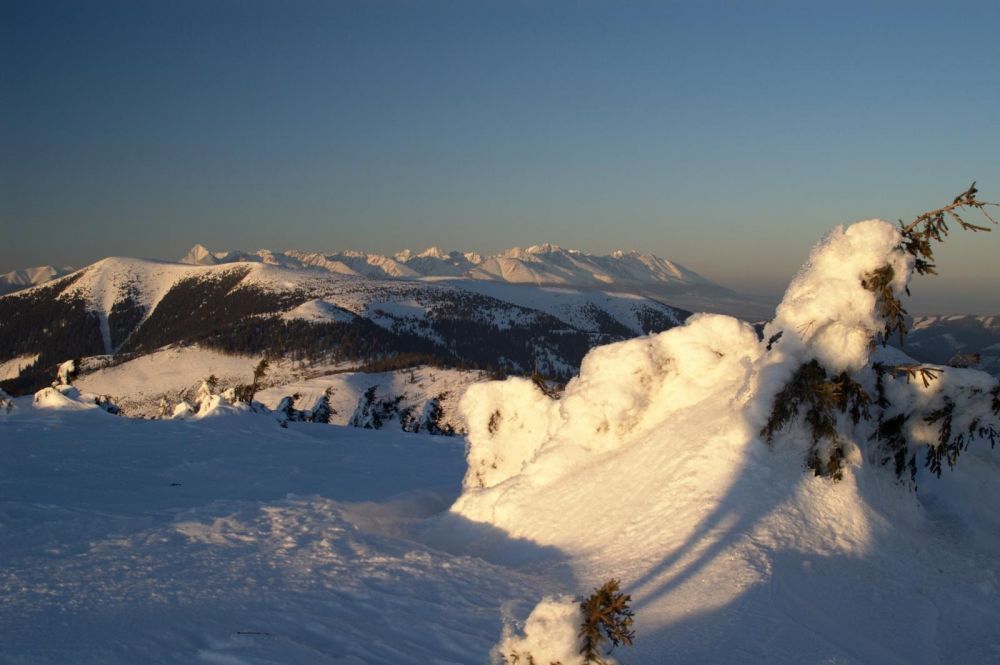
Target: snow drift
pixel 651 468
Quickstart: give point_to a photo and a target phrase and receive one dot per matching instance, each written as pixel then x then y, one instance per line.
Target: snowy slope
pixel 651 467
pixel 145 282
pixel 9 369
pixel 137 386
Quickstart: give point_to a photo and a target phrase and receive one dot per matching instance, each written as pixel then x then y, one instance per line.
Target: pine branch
pixel 917 240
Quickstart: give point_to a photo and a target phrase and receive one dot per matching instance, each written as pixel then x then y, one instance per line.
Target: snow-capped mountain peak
pixel 435 252
pixel 545 248
pixel 199 255
pixel 547 263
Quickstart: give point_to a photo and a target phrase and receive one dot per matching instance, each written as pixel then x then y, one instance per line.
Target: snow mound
pixel 827 313
pixel 651 468
pixel 319 311
pixel 68 398
pixel 643 405
pixel 623 392
pixel 214 406
pixel 550 636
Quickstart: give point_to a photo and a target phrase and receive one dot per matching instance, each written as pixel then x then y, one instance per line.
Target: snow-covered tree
pixel 67 372
pixel 845 303
pixel 6 402
pixel 373 413
pixel 286 412
pixel 322 411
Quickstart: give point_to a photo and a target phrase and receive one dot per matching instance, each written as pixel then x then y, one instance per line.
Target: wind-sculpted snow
pixel 624 391
pixel 651 467
pixel 827 313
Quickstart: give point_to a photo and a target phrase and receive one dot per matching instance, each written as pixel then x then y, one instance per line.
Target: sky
pixel 726 136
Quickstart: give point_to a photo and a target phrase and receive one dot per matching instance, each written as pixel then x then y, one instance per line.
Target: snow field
pixel 176 373
pixel 231 540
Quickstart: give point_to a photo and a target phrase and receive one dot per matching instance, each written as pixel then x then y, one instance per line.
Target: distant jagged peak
pixel 512 253
pixel 621 253
pixel 545 263
pixel 199 255
pixel 435 252
pixel 549 248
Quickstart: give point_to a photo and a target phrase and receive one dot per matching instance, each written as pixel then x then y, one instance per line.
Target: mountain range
pixel 539 308
pixel 538 265
pixel 124 307
pixel 24 278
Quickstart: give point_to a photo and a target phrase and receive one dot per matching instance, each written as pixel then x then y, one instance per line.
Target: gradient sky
pixel 726 136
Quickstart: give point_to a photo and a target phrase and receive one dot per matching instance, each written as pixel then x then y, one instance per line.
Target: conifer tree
pixel 322 412
pixel 823 399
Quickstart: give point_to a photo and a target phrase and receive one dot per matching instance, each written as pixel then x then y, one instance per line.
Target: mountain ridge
pixel 121 307
pixel 24 278
pixel 546 264
pixel 553 263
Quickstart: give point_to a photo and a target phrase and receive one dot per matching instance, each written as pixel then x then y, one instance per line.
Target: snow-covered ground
pixel 175 373
pixel 346 389
pixel 232 540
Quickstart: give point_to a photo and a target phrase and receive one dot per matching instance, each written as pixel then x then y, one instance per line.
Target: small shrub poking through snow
pixel 430 419
pixel 286 412
pixel 563 631
pixel 607 622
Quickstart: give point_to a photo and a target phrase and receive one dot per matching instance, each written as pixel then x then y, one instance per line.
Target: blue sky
pixel 726 136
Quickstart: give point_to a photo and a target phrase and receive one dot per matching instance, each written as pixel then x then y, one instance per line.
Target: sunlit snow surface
pixel 651 468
